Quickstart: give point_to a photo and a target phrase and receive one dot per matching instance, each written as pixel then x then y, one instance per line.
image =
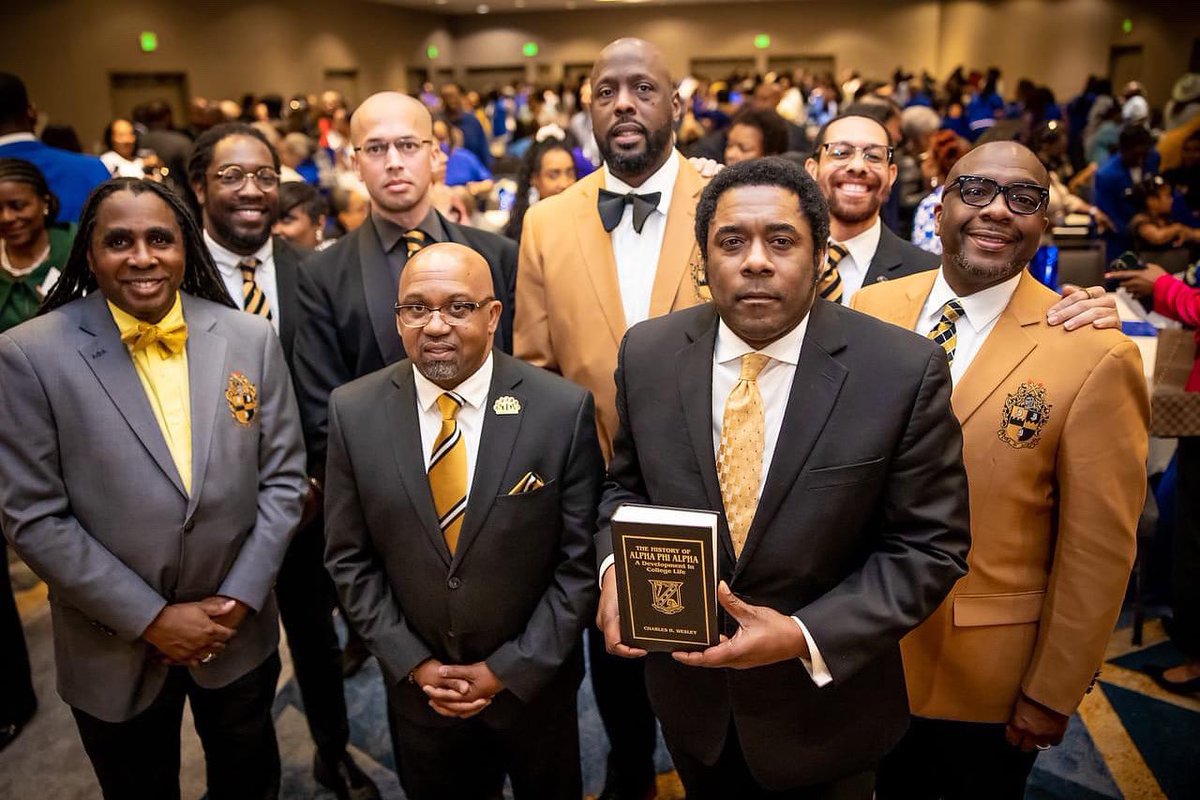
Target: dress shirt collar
pixel 862 247
pixel 474 390
pixel 981 308
pixel 127 323
pixel 390 233
pixel 662 181
pixel 227 261
pixel 13 138
pixel 786 348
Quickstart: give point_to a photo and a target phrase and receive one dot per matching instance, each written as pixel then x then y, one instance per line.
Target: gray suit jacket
pixel 91 499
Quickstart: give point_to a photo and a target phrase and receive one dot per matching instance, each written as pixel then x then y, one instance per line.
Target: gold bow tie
pixel 172 339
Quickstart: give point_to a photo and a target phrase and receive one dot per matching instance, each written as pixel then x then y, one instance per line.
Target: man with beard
pixel 612 250
pixel 234 174
pixel 1054 428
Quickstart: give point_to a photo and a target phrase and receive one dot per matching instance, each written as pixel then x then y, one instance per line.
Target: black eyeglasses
pixel 979 192
pixel 456 312
pixel 234 177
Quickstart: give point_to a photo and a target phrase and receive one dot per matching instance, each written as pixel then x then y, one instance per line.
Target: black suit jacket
pixel 287 278
pixel 521 584
pixel 896 258
pixel 861 531
pixel 348 322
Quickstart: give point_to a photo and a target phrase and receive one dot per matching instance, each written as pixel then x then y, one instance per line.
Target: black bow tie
pixel 612 206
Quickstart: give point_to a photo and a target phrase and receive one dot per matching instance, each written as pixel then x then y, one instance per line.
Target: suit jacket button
pixel 189 525
pixel 454 583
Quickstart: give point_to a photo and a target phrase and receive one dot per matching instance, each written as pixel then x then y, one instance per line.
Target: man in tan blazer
pixel 1055 438
pixel 616 248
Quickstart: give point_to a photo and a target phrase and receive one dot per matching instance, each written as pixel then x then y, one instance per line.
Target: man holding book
pixel 828 443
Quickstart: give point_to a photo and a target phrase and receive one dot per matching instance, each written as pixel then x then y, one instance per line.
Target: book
pixel 666 561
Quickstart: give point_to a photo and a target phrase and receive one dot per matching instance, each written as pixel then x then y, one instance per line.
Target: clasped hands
pixel 764 636
pixel 457 690
pixel 191 634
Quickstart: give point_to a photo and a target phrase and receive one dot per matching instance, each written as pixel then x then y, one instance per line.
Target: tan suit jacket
pixel 1054 441
pixel 569 313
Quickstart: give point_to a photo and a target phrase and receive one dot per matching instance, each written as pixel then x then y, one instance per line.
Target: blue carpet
pixel 1167 736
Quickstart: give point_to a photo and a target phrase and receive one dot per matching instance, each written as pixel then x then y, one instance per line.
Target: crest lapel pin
pixel 242 397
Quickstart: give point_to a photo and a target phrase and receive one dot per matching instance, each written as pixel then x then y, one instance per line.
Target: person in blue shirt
pixel 474 138
pixel 71 176
pixel 1134 161
pixel 463 168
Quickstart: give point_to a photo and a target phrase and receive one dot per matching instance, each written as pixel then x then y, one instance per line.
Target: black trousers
pixel 306 601
pixel 139 758
pixel 730 777
pixel 950 760
pixel 1185 550
pixel 17 700
pixel 468 759
pixel 619 685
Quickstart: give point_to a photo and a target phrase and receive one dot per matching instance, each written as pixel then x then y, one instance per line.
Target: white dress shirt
pixel 980 312
pixel 227 264
pixel 860 253
pixel 636 254
pixel 474 392
pixel 20 136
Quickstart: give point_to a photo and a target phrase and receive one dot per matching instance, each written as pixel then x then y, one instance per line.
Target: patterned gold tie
pixel 448 471
pixel 830 285
pixel 945 332
pixel 740 456
pixel 414 240
pixel 254 301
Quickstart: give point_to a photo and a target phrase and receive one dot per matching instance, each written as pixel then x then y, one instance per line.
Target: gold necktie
pixel 945 333
pixel 739 459
pixel 172 339
pixel 254 301
pixel 448 471
pixel 830 285
pixel 414 240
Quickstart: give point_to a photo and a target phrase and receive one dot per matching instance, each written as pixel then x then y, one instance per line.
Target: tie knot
pixel 952 311
pixel 414 240
pixel 449 403
pixel 172 339
pixel 248 266
pixel 837 251
pixel 752 364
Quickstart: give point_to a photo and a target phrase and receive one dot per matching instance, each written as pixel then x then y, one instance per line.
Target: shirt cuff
pixel 814 664
pixel 611 561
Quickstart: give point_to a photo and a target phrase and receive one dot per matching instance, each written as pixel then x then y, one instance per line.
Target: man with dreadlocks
pixel 152 473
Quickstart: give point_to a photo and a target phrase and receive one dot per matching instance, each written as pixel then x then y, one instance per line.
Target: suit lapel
pixel 679 239
pixel 286 264
pixel 496 442
pixel 815 388
pixel 693 372
pixel 1006 347
pixel 595 245
pixel 206 377
pixel 887 257
pixel 380 291
pixel 108 358
pixel 410 461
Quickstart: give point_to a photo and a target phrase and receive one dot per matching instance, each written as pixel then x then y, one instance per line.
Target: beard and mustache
pixel 622 162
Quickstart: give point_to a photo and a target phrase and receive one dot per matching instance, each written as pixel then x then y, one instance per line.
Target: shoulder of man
pixel 341 256
pixel 540 385
pixel 892 344
pixel 365 392
pixel 236 325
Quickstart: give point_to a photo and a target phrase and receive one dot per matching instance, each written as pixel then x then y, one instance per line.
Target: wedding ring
pixel 207 657
pixel 1042 746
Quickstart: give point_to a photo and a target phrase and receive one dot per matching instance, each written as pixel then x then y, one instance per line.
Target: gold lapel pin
pixel 507 405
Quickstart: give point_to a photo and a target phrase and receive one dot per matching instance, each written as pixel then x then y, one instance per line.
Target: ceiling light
pixel 482 9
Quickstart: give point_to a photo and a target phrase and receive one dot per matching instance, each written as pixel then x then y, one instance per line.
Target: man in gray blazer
pixel 152 473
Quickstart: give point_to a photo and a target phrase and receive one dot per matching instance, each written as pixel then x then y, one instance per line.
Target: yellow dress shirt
pixel 164 377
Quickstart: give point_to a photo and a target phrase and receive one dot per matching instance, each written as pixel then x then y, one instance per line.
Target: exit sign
pixel 148 41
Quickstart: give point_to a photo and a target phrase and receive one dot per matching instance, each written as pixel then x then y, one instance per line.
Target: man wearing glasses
pixel 348 327
pixel 462 489
pixel 1054 429
pixel 234 174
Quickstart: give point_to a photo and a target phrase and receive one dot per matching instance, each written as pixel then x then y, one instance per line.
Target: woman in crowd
pixel 121 148
pixel 1152 226
pixel 302 215
pixel 548 168
pixel 755 133
pixel 33 249
pixel 945 149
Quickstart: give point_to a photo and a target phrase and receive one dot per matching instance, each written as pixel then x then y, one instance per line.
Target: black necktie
pixel 612 206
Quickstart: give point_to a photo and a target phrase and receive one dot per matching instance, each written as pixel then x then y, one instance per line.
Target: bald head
pixel 633 51
pixel 448 262
pixel 384 107
pixel 1008 156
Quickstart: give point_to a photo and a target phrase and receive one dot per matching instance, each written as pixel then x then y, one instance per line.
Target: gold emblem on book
pixel 666 597
pixel 1025 413
pixel 242 398
pixel 507 405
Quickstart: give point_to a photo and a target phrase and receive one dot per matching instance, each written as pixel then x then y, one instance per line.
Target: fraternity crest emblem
pixel 666 597
pixel 242 398
pixel 1025 413
pixel 507 405
pixel 699 279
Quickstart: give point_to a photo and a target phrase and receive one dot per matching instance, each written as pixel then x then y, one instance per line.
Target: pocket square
pixel 528 483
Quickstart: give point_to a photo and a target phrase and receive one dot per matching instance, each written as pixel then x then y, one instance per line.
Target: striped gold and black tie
pixel 414 240
pixel 945 332
pixel 448 471
pixel 830 285
pixel 254 301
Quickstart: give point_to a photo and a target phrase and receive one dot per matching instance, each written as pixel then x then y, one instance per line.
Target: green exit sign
pixel 148 41
pixel 762 41
pixel 1127 25
pixel 431 51
pixel 530 49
